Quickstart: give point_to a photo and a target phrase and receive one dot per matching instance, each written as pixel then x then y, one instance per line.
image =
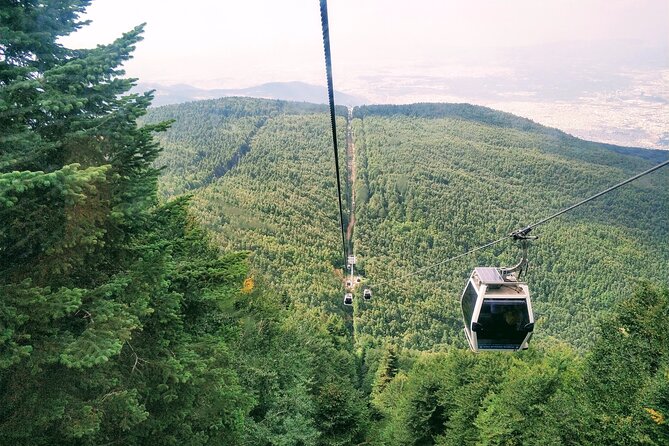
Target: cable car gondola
pixel 496 307
pixel 367 294
pixel 497 311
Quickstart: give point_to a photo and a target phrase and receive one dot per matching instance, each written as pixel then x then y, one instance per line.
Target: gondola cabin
pixel 497 311
pixel 367 294
pixel 348 299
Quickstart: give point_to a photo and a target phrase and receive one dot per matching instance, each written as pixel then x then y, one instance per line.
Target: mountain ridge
pixel 288 91
pixel 432 181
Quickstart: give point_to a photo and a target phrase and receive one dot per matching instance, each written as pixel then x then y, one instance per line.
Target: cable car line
pixel 527 229
pixel 496 305
pixel 434 265
pixel 522 233
pixel 328 69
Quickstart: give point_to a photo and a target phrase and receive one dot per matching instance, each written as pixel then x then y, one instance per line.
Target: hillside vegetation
pixel 206 309
pixel 278 202
pixel 434 180
pixel 437 180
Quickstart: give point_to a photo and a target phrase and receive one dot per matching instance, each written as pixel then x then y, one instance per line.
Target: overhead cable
pixel 597 195
pixel 328 71
pixel 522 233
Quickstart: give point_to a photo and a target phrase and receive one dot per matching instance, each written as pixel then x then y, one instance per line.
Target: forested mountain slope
pixel 123 322
pixel 434 180
pixel 263 180
pixel 437 183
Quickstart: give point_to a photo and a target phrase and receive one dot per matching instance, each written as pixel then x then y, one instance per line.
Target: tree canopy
pixel 120 321
pixel 191 295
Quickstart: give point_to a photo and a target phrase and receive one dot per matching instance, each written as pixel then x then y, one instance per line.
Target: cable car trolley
pixel 367 294
pixel 496 307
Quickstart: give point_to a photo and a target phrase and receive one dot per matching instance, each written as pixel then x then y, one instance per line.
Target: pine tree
pixel 627 370
pixel 388 368
pixel 102 291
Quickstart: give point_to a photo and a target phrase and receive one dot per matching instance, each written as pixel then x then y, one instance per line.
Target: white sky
pixel 240 43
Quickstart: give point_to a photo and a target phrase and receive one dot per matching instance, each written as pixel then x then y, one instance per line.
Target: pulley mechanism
pixel 522 236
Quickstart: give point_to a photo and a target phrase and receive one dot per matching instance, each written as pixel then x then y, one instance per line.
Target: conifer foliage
pixel 120 323
pixel 94 333
pixel 101 288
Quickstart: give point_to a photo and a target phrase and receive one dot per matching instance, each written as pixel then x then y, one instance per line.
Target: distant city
pixel 632 110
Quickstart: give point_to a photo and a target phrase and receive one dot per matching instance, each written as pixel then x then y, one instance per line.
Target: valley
pixel 174 275
pixel 423 183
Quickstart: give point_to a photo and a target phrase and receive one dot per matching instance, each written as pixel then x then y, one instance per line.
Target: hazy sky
pixel 598 69
pixel 214 43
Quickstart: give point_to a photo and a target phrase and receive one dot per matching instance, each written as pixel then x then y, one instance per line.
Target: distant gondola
pixel 367 294
pixel 497 311
pixel 348 299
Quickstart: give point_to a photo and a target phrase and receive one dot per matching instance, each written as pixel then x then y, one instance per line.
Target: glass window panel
pixel 468 304
pixel 503 323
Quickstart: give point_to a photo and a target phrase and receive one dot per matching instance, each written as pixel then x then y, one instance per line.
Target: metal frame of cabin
pixel 487 286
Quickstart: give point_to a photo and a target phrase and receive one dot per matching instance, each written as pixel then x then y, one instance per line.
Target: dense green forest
pixel 433 180
pixel 179 281
pixel 278 202
pixel 121 322
pixel 437 180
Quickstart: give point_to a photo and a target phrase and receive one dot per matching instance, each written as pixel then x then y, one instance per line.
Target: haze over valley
pixel 630 110
pixel 597 69
pixel 233 261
